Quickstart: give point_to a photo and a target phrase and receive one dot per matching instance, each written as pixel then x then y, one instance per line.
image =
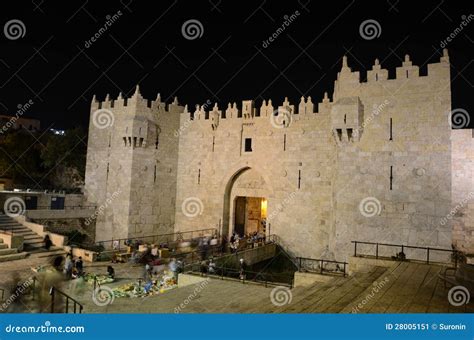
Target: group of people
pixel 208 266
pixel 73 267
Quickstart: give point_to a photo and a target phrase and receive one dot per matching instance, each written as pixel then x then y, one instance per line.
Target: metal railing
pixel 121 243
pixel 321 266
pixel 53 291
pixel 265 278
pixel 402 247
pixel 66 207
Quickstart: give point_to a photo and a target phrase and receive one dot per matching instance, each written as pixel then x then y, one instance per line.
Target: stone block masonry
pixel 375 163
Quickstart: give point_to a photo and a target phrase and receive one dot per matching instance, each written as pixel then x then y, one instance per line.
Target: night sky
pixel 51 64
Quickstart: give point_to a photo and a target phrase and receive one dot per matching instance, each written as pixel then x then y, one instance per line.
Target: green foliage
pixel 33 159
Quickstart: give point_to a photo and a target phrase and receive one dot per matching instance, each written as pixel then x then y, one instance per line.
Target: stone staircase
pixel 32 242
pixel 10 254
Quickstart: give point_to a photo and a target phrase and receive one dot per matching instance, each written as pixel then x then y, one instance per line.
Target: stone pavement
pixel 406 287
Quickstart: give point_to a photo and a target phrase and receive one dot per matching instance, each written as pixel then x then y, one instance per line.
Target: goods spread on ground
pixel 141 288
pixel 101 279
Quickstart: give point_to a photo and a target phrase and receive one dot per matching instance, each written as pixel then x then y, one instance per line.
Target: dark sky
pixel 52 66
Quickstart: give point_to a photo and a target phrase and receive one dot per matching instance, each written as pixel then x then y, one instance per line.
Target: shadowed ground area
pixel 406 287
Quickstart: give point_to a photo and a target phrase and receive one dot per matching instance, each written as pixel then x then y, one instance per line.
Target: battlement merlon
pixel 135 104
pixel 348 83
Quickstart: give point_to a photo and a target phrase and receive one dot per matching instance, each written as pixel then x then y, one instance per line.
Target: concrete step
pixel 3 246
pixel 8 251
pixel 12 257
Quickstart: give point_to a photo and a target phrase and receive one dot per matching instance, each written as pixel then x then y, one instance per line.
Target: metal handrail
pixel 121 241
pixel 66 207
pixel 76 303
pixel 258 277
pixel 320 262
pixel 403 247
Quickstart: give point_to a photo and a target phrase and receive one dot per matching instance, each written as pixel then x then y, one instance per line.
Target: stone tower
pixel 132 158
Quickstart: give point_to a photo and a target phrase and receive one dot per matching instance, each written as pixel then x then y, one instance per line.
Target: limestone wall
pixel 462 212
pixel 374 164
pixel 131 166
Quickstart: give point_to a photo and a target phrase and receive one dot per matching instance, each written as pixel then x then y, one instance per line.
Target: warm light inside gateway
pixel 263 208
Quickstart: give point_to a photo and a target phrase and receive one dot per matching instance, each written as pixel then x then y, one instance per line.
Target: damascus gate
pixel 375 160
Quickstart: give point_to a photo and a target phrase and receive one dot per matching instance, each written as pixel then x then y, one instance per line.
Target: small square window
pixel 248 144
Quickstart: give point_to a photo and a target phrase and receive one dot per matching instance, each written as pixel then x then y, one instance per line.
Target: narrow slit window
pixel 299 179
pixel 107 175
pixel 213 142
pixel 391 177
pixel 339 134
pixel 284 142
pixel 199 176
pixel 154 175
pixel 349 134
pixel 248 145
pixel 141 142
pixel 391 129
pixel 157 141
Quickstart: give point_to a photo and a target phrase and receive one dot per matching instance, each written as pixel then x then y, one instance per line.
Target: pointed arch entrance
pixel 246 196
